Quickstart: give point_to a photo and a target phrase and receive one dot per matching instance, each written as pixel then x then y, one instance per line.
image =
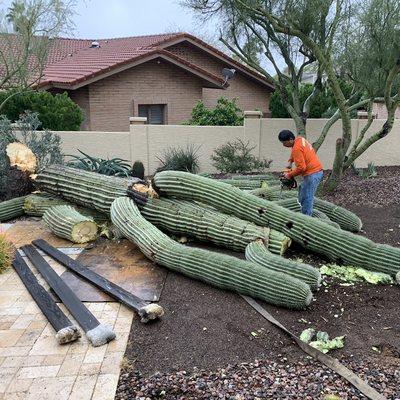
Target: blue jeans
pixel 307 191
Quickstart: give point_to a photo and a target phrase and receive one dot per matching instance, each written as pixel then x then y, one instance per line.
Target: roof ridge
pixel 127 37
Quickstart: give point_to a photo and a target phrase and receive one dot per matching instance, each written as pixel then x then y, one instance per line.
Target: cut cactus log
pixel 66 222
pixel 216 269
pixel 313 234
pixel 278 243
pixel 244 184
pixel 346 219
pixel 207 224
pixel 398 277
pixel 258 253
pixel 13 208
pixel 37 204
pixel 84 188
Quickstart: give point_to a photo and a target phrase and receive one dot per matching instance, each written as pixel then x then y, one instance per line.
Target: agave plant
pixel 114 166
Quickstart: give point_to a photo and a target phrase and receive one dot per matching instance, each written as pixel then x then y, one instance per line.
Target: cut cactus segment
pixel 13 208
pixel 258 253
pixel 216 269
pixel 66 222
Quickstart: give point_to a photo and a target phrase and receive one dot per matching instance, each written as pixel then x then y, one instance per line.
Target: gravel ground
pixel 261 380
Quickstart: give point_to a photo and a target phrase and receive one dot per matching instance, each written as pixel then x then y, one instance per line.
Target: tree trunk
pixel 337 170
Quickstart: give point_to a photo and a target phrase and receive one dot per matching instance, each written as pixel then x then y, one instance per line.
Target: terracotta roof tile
pixel 73 61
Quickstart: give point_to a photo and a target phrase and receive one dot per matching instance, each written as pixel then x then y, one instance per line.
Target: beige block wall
pixel 147 142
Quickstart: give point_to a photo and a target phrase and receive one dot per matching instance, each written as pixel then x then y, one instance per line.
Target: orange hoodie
pixel 305 158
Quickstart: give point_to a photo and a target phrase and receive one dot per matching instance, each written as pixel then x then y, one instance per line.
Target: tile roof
pixel 71 62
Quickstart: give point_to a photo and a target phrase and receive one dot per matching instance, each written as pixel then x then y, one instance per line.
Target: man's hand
pixel 289 166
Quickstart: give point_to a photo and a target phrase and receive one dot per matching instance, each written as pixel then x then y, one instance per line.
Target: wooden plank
pixel 102 283
pixel 23 232
pixel 83 316
pixel 123 264
pixel 58 320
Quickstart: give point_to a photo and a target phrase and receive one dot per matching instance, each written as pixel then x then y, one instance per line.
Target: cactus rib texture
pixel 207 224
pixel 216 269
pixel 313 234
pixel 66 222
pixel 258 253
pixel 87 189
pixel 13 208
pixel 37 204
pixel 346 219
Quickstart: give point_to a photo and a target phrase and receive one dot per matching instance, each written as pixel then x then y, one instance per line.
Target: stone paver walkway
pixel 34 366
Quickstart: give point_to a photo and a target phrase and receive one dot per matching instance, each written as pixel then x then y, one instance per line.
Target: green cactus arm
pixel 258 253
pixel 207 224
pixel 67 222
pixel 216 269
pixel 13 208
pixel 346 219
pixel 313 234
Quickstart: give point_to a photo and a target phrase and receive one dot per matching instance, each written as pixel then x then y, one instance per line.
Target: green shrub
pixel 56 112
pixel 236 157
pixel 180 159
pixel 114 167
pixel 365 173
pixel 226 113
pixel 45 145
pixel 323 106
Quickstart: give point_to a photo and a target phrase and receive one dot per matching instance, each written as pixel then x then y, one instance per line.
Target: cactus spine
pixel 311 233
pixel 10 209
pixel 66 222
pixel 217 269
pixel 207 224
pixel 258 253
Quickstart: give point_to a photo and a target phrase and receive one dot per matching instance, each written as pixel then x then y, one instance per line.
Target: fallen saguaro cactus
pixel 13 208
pixel 66 222
pixel 87 189
pixel 346 219
pixel 257 253
pixel 207 224
pixel 37 204
pixel 338 245
pixel 398 277
pixel 216 269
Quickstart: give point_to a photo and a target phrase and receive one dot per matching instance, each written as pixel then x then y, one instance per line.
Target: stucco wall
pixel 147 142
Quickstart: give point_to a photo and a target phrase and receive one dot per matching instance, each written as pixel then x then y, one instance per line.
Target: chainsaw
pixel 287 183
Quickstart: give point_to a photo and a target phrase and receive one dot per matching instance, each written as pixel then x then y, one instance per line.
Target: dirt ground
pixel 207 328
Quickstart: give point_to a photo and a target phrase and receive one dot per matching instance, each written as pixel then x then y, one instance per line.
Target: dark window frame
pixel 148 112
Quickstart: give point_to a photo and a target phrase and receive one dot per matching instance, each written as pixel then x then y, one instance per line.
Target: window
pixel 155 113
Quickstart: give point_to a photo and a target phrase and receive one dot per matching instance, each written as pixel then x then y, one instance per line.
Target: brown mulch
pixel 207 333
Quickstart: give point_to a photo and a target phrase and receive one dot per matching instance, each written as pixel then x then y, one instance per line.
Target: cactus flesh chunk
pixel 13 208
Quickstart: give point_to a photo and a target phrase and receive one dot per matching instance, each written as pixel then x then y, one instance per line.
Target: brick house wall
pixel 110 102
pixel 250 95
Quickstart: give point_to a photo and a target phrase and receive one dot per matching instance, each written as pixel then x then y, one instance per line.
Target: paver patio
pixel 34 366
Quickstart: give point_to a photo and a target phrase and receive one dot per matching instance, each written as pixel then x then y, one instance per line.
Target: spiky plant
pixel 110 167
pixel 6 253
pixel 180 159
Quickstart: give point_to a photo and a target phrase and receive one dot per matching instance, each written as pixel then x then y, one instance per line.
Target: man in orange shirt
pixel 307 165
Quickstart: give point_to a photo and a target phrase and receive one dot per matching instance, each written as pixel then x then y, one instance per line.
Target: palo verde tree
pixel 354 40
pixel 28 31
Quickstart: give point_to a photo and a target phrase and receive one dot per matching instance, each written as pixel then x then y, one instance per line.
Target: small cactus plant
pixel 138 170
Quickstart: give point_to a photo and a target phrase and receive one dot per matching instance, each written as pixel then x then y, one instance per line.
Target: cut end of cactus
pixel 100 335
pixel 309 299
pixel 22 157
pixel 84 231
pixel 150 312
pixel 398 278
pixel 68 334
